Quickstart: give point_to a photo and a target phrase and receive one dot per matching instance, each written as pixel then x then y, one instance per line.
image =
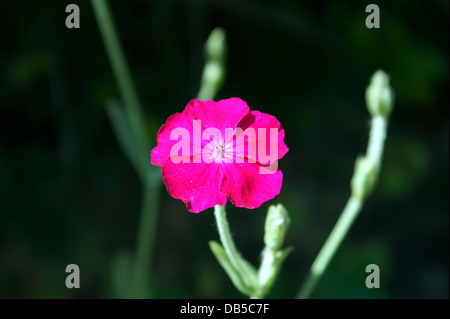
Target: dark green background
pixel 69 195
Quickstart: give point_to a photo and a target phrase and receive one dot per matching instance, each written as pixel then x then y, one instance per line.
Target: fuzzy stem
pixel 228 244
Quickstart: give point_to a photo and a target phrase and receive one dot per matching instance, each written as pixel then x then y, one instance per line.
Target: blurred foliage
pixel 69 195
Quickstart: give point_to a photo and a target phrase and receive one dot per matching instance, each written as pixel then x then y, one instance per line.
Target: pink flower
pixel 218 150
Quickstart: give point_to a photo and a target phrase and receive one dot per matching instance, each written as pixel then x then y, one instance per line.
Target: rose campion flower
pixel 218 150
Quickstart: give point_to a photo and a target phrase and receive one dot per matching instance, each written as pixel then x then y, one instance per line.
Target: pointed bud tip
pixel 379 96
pixel 215 45
pixel 277 223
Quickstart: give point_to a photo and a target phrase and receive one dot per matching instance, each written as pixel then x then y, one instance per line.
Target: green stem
pixel 332 243
pixel 135 116
pixel 225 237
pixel 377 137
pixel 145 241
pixel 265 272
pixel 228 243
pixel 121 71
pixel 205 93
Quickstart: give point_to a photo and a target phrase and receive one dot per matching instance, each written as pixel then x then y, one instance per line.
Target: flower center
pixel 219 152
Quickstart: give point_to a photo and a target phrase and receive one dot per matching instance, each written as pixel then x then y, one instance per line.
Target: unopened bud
pixel 215 45
pixel 379 96
pixel 277 223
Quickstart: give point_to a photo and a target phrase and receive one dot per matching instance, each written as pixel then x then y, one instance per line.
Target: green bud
pixel 379 96
pixel 277 223
pixel 215 45
pixel 214 71
pixel 364 177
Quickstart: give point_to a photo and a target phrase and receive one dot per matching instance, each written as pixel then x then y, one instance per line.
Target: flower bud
pixel 277 223
pixel 379 96
pixel 215 45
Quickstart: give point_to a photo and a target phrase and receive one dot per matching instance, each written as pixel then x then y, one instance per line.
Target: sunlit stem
pixel 328 250
pixel 228 244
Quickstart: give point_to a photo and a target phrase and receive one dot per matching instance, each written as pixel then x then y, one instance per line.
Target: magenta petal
pixel 178 121
pixel 246 187
pixel 196 184
pixel 222 114
pixel 253 121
